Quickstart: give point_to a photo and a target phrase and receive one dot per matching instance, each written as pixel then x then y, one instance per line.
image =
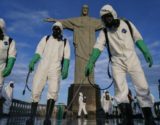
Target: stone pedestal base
pixel 93 98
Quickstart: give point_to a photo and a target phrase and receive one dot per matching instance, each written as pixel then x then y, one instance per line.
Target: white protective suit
pixel 106 104
pixel 49 68
pixel 6 50
pixel 7 93
pixel 125 60
pixel 82 105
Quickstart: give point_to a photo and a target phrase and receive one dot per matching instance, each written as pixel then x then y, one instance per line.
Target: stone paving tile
pixel 39 121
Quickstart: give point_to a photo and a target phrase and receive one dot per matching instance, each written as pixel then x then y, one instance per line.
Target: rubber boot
pixel 106 115
pixel 148 116
pixel 78 116
pixel 49 110
pixel 126 114
pixel 30 121
pixel 85 116
pixel 2 100
pixel 130 114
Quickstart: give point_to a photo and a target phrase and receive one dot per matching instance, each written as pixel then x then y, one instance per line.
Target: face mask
pixel 107 96
pixel 1 34
pixel 109 21
pixel 12 85
pixel 56 32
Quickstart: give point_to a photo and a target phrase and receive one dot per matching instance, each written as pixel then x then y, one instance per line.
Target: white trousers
pixel 52 75
pixel 107 106
pixel 82 107
pixel 133 68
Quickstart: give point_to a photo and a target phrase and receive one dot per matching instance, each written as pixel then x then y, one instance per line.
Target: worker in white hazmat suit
pixel 7 93
pixel 106 103
pixel 82 105
pixel 120 36
pixel 7 57
pixel 54 54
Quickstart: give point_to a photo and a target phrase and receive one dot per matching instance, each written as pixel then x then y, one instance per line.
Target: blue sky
pixel 24 20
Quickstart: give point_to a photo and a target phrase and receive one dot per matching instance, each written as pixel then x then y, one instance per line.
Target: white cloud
pixel 26 21
pixel 23 45
pixel 154 44
pixel 19 73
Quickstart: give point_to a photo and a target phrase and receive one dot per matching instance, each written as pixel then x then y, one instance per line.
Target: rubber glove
pixel 92 60
pixel 65 68
pixel 9 66
pixel 34 60
pixel 141 45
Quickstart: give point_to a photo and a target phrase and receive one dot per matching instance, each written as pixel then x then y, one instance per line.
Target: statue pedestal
pixel 93 98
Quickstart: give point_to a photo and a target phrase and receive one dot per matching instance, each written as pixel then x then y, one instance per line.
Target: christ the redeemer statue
pixel 84 28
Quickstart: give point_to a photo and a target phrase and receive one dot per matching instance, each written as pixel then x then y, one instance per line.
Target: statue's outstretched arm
pixel 67 23
pixel 50 20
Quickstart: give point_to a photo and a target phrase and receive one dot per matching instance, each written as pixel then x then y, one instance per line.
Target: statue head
pixel 85 10
pixel 2 28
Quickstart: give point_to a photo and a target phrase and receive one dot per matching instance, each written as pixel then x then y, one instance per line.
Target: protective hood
pixel 80 94
pixel 108 9
pixel 59 25
pixel 2 24
pixel 11 82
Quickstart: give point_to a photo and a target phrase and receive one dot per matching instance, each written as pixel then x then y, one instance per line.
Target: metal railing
pixel 21 108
